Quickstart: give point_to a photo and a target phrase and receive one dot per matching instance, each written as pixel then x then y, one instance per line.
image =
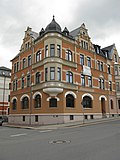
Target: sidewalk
pixel 65 125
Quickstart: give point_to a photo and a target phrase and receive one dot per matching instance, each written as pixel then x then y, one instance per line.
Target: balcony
pixel 53 91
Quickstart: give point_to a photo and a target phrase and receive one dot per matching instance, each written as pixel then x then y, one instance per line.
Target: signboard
pixel 86 70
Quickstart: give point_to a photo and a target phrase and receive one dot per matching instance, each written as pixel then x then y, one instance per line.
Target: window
pixel 23 118
pixel 69 77
pixel 24 63
pixel 117 86
pixel 16 84
pixel 46 74
pixel 38 56
pixel 101 83
pixel 115 57
pixel 52 73
pixel 37 77
pixel 108 69
pixel 59 74
pixel 17 66
pixel 46 51
pixel 119 104
pixel 98 63
pixel 89 81
pixel 37 103
pixel 36 118
pixel 8 98
pixel 101 66
pixel 116 70
pixel 22 83
pixel 84 44
pixel 88 61
pixel 68 55
pixel 25 103
pixel 58 50
pixel 82 80
pixel 53 102
pixel 29 60
pixel 52 50
pixel 111 104
pixel 28 80
pixel 71 117
pixel 110 85
pixel 87 102
pixel 13 85
pixel 70 101
pixel 14 104
pixel 81 59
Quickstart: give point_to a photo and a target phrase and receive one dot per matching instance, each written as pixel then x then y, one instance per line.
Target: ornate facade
pixel 60 76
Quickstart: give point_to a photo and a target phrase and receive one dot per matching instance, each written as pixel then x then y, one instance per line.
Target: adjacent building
pixel 61 76
pixel 5 79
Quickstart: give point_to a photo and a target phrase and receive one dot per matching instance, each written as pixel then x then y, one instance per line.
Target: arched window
pixel 70 101
pixel 38 56
pixel 25 103
pixel 37 103
pixel 69 77
pixel 37 77
pixel 68 55
pixel 87 102
pixel 53 102
pixel 111 103
pixel 14 104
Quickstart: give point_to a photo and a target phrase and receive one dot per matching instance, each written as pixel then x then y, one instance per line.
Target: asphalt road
pixel 94 142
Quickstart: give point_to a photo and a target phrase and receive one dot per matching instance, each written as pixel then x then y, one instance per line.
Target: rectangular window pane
pixel 89 81
pixel 36 118
pixel 108 68
pixel 88 61
pixel 52 73
pixel 29 60
pixel 58 50
pixel 98 62
pixel 46 74
pixel 102 66
pixel 28 80
pixel 22 82
pixel 81 59
pixel 59 74
pixel 24 63
pixel 46 51
pixel 52 50
pixel 82 80
pixel 17 66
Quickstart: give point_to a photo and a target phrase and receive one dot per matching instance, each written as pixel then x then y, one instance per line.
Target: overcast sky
pixel 102 19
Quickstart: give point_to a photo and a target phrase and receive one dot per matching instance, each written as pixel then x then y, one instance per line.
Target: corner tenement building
pixel 60 76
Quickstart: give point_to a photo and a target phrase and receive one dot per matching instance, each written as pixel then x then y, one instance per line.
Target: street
pixel 93 142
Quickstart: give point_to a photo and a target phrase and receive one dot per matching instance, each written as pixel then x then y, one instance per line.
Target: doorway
pixel 103 108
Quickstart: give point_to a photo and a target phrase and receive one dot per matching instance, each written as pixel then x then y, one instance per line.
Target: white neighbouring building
pixel 5 79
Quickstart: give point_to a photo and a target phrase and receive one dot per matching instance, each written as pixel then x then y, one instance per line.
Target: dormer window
pixel 98 51
pixel 84 44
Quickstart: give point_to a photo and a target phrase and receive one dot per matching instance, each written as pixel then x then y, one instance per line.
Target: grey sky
pixel 102 18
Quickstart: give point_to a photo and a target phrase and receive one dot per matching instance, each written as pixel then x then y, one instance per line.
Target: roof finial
pixel 53 17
